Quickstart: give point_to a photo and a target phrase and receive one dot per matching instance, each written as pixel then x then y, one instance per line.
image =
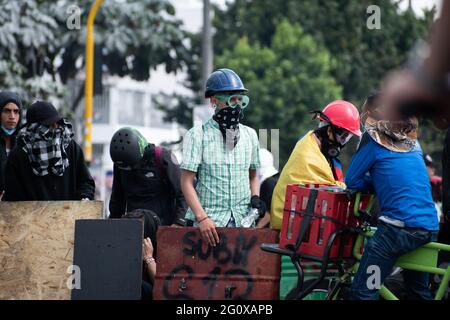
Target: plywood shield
pixel 36 246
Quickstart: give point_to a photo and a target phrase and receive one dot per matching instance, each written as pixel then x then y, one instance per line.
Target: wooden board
pixel 236 269
pixel 36 246
pixel 109 256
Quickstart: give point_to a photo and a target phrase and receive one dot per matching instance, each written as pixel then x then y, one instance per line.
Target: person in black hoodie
pixel 47 164
pixel 10 109
pixel 145 177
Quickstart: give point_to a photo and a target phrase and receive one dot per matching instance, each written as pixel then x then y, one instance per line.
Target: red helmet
pixel 344 115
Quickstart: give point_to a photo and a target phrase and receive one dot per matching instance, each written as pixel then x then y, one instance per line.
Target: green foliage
pixel 40 53
pixel 362 56
pixel 179 108
pixel 432 142
pixel 135 36
pixel 285 82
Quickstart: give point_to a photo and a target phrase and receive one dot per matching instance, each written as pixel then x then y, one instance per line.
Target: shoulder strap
pixel 159 161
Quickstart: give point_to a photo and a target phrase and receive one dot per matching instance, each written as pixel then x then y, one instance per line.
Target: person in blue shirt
pixel 390 163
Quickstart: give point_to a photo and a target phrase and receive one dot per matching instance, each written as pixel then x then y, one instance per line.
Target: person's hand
pixel 403 94
pixel 208 231
pixel 2 194
pixel 179 223
pixel 351 194
pixel 174 225
pixel 263 221
pixel 257 203
pixel 85 199
pixel 147 249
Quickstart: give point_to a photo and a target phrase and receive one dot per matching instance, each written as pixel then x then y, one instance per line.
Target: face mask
pixel 329 148
pixel 8 131
pixel 228 120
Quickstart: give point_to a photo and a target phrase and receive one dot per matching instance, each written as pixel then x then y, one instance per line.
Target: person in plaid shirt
pixel 223 155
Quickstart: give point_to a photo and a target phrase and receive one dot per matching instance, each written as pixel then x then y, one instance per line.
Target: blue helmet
pixel 223 80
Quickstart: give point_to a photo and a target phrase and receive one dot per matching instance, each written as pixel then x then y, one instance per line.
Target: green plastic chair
pixel 422 259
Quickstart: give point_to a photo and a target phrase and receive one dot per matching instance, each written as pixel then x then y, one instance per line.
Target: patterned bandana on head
pixel 46 147
pixel 228 120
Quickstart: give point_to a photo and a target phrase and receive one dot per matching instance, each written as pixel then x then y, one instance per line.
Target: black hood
pixel 151 223
pixel 7 97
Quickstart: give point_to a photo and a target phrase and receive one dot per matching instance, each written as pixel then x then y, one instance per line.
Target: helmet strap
pixel 149 154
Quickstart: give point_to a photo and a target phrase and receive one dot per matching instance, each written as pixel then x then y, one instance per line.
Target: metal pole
pixel 89 83
pixel 207 43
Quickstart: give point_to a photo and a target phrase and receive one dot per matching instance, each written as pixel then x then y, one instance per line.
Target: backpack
pixel 159 161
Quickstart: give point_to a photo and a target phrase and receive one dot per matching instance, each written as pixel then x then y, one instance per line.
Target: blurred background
pixel 152 58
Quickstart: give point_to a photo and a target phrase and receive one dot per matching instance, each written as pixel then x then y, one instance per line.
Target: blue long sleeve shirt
pixel 400 181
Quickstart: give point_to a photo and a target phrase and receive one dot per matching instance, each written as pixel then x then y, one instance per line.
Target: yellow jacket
pixel 306 164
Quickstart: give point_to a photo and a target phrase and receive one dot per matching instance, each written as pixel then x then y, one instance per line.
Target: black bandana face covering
pixel 228 120
pixel 46 147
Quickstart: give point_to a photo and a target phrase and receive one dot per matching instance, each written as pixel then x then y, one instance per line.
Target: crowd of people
pixel 224 174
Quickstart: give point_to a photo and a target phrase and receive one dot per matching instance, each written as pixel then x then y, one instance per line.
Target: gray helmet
pixel 127 147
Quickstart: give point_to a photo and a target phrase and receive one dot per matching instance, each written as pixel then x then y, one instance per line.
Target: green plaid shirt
pixel 223 185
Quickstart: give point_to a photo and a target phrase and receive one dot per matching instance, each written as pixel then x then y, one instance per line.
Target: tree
pixel 40 54
pixel 179 107
pixel 362 56
pixel 432 142
pixel 286 81
pixel 359 57
pixel 26 38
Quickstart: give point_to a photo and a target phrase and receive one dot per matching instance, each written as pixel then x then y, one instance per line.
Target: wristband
pixel 149 260
pixel 202 219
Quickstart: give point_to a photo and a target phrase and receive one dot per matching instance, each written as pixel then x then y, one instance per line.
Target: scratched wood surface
pixel 237 268
pixel 36 246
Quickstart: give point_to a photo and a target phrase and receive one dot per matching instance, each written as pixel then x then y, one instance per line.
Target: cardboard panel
pixel 109 256
pixel 36 246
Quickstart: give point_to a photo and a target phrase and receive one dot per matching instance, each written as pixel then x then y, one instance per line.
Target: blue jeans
pixel 382 250
pixel 231 223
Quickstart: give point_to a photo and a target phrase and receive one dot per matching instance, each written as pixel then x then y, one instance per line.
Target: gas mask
pixel 332 147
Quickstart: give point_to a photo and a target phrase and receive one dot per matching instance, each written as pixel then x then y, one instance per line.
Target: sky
pixel 190 12
pixel 419 5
